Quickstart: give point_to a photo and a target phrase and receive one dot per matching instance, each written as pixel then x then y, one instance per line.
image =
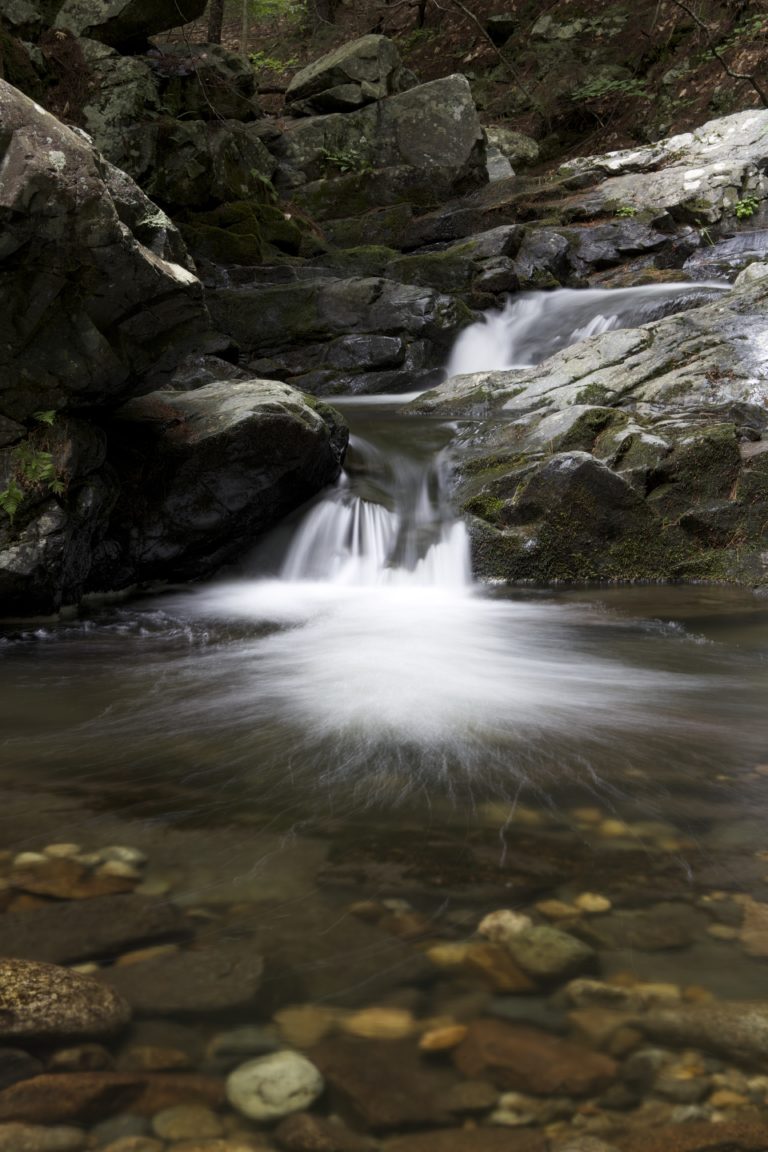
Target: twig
pixel 718 56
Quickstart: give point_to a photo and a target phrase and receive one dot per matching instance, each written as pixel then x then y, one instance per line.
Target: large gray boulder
pixel 350 76
pixel 422 145
pixel 636 454
pixel 91 297
pixel 699 176
pixel 125 23
pixel 204 471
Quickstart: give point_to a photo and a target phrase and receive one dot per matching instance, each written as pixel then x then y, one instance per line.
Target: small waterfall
pixel 405 535
pixel 535 325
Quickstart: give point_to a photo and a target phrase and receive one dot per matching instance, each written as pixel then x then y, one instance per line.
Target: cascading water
pixel 535 325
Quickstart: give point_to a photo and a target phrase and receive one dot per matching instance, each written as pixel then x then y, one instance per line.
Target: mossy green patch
pixel 242 232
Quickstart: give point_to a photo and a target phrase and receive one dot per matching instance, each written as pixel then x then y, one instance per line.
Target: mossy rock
pixel 242 232
pixel 363 260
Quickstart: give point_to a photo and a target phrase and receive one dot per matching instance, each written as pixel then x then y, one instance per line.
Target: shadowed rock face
pixel 202 472
pixel 125 23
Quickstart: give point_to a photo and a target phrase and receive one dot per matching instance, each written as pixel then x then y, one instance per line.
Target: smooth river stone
pixel 42 1001
pixel 275 1085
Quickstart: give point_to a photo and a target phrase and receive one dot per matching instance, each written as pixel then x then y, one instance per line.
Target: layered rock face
pixel 635 454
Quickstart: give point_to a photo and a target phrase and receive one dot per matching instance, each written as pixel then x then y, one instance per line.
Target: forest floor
pixel 579 76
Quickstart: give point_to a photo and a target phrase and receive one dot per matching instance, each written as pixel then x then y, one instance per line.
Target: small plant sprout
pixel 746 207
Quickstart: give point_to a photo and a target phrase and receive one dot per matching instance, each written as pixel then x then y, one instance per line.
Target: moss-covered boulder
pixel 635 454
pixel 242 232
pixel 420 146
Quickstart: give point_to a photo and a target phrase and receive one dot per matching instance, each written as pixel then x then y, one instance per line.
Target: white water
pixel 537 324
pixel 381 641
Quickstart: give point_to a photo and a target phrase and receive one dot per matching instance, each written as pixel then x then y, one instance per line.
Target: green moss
pixel 593 394
pixel 583 434
pixel 241 232
pixel 449 271
pixel 364 260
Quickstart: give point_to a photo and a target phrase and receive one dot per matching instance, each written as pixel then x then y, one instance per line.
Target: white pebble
pixel 274 1085
pixel 61 851
pixel 29 860
pixel 503 924
pixel 124 854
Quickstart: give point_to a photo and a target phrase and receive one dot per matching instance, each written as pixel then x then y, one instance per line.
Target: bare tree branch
pixel 505 61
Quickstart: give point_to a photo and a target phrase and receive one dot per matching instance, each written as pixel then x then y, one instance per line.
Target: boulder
pixel 87 305
pixel 350 76
pixel 125 24
pixel 697 177
pixel 204 471
pixel 204 82
pixel 43 1002
pixel 638 453
pixel 519 149
pixel 422 146
pixel 327 335
pixel 205 980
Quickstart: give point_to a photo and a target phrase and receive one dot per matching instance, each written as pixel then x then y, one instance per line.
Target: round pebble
pixel 122 854
pixel 379 1023
pixel 499 926
pixel 29 860
pixel 442 1039
pixel 61 851
pixel 274 1085
pixel 592 902
pixel 186 1122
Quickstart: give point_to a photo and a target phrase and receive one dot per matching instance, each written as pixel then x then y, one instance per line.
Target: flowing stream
pixel 353 676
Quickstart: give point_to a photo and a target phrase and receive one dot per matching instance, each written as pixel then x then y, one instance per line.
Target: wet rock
pixel 443 1038
pixel 36 1138
pixel 41 1001
pixel 753 934
pixel 87 1096
pixel 102 926
pixel 83 1058
pixel 519 149
pixel 15 1064
pixel 134 1144
pixel 527 1060
pixel 549 954
pixel 350 76
pixel 227 1049
pixel 471 1140
pixel 204 471
pixel 731 1136
pixel 379 1023
pixel 665 926
pixel 737 1029
pixel 186 1122
pixel 306 1133
pixel 208 980
pixel 322 958
pixel 275 1085
pixel 382 1085
pixel 68 879
pixel 468 1096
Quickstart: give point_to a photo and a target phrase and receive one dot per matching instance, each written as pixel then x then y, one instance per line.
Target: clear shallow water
pixel 351 716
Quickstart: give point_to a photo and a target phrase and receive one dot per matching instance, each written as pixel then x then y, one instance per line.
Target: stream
pixel 349 718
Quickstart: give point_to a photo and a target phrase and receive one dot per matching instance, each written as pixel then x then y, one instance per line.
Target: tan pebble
pixel 151 1058
pixel 134 1144
pixel 614 829
pixel 186 1122
pixel 557 910
pixel 369 910
pixel 88 859
pixel 397 905
pixel 441 1039
pixel 153 887
pixel 503 923
pixel 697 994
pixel 761 769
pixel 624 1041
pixel 29 860
pixel 124 854
pixel 726 1098
pixel 722 931
pixel 379 1023
pixel 86 969
pixel 671 844
pixel 592 902
pixel 62 850
pixel 762 854
pixel 497 966
pixel 118 868
pixel 449 955
pixel 303 1025
pixel 406 925
pixel 140 955
pixel 588 815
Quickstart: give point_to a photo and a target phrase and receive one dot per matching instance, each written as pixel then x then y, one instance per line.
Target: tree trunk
pixel 324 11
pixel 215 21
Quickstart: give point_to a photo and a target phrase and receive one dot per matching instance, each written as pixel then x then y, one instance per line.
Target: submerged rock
pixel 275 1085
pixel 41 1001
